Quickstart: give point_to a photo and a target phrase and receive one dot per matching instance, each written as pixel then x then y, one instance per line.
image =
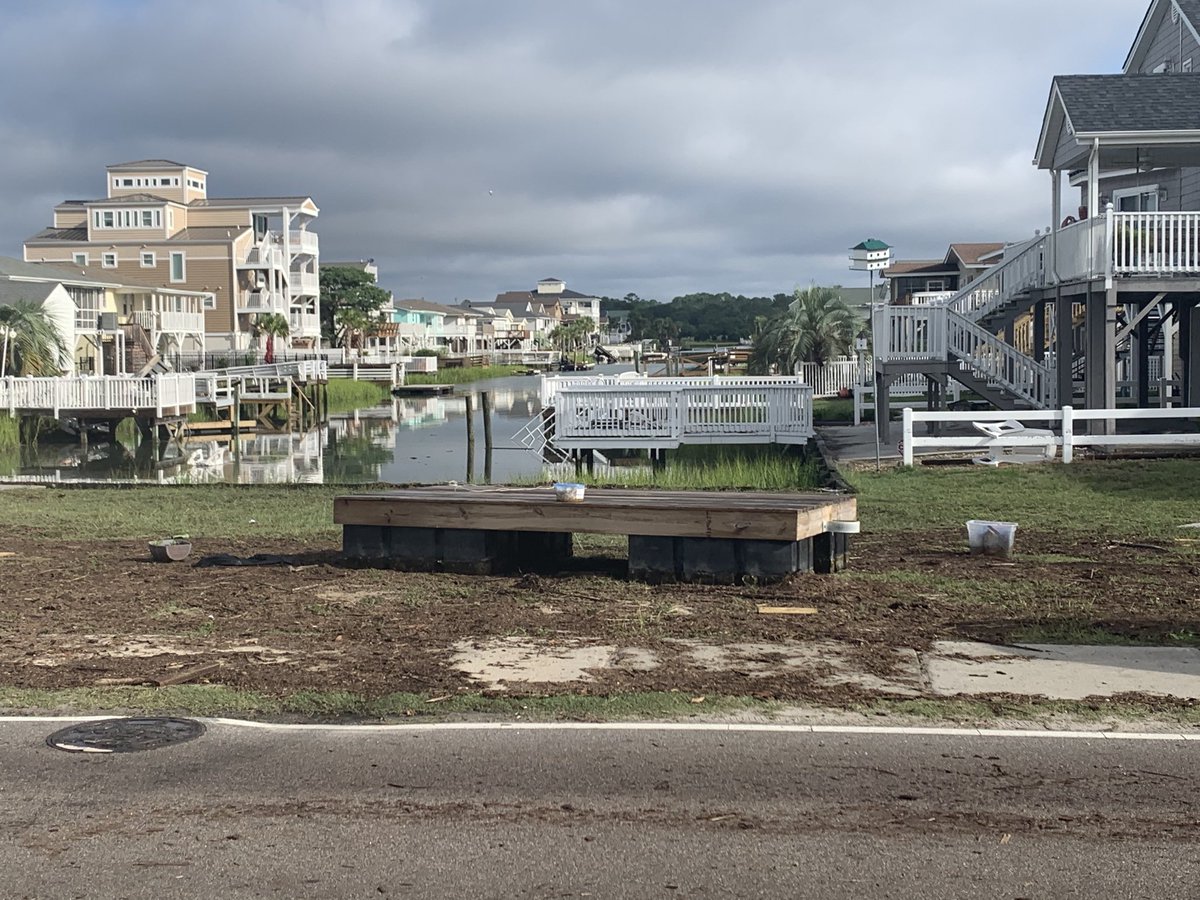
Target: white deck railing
pixel 1066 438
pixel 1163 243
pixel 658 415
pixel 118 394
pixel 553 384
pixel 910 333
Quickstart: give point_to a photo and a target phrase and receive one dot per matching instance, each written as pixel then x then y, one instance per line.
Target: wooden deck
pixel 684 535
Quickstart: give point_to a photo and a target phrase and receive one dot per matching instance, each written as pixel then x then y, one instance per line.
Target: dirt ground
pixel 80 614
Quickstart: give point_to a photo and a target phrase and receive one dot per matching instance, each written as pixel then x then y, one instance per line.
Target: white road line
pixel 723 727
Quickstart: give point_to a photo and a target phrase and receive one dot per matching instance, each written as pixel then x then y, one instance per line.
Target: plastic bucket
pixel 991 538
pixel 569 492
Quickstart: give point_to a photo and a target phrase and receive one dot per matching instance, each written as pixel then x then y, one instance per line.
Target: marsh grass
pixel 770 468
pixel 462 375
pixel 346 394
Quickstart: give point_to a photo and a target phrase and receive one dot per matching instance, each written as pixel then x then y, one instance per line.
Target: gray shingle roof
pixel 151 164
pixel 209 233
pixel 33 291
pixel 1108 103
pixel 60 234
pixel 129 199
pixel 17 268
pixel 250 201
pixel 428 306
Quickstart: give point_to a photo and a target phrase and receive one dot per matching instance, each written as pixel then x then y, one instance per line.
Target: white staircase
pixel 536 437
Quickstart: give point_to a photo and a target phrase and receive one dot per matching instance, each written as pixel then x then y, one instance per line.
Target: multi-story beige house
pixel 158 227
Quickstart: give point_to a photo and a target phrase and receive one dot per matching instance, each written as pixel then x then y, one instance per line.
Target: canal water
pixel 410 440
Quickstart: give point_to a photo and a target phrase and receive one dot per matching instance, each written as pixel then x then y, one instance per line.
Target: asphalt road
pixel 562 813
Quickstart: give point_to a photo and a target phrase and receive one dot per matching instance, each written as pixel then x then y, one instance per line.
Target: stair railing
pixel 1000 363
pixel 1024 268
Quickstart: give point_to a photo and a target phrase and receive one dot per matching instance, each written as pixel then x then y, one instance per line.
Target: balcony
pixel 170 321
pixel 304 324
pixel 302 242
pixel 304 284
pixel 267 255
pixel 260 302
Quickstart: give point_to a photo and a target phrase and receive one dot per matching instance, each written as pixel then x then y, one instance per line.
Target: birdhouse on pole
pixel 870 256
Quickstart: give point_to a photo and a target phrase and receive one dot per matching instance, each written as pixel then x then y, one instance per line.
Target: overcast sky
pixel 474 146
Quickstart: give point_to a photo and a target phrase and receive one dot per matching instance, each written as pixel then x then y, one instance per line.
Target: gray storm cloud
pixel 471 146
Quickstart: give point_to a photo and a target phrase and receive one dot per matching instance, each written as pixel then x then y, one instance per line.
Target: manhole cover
pixel 125 735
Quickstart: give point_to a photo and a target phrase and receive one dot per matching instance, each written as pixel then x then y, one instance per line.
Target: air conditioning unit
pixel 108 321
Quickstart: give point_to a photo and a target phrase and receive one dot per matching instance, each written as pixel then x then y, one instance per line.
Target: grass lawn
pixel 462 375
pixel 1147 499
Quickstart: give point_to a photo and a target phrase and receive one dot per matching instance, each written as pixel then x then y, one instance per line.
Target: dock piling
pixel 470 438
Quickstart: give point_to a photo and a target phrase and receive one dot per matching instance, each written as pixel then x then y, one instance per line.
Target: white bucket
pixel 991 538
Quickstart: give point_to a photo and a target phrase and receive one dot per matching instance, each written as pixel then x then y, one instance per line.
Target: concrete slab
pixel 1062 672
pixel 496 662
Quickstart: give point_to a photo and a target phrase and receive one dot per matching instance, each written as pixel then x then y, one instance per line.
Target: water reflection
pixel 408 440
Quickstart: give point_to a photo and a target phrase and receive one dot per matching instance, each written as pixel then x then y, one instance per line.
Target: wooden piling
pixel 235 424
pixel 470 438
pixel 486 398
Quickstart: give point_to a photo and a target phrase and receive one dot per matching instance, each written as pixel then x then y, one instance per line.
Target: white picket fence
pixel 1063 419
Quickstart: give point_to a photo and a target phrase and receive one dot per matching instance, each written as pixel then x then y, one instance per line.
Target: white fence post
pixel 1068 434
pixel 906 435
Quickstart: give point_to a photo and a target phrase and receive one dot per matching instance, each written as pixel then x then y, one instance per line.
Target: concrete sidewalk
pixel 949 669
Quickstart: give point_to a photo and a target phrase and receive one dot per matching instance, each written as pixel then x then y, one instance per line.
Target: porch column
pixel 883 405
pixel 1140 347
pixel 1093 338
pixel 1064 346
pixel 1101 384
pixel 1189 349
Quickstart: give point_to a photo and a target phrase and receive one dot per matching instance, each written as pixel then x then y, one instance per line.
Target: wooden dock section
pixel 421 390
pixel 703 536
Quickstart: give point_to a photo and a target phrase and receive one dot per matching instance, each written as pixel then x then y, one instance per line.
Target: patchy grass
pixel 226 511
pixel 9 432
pixel 1129 499
pixel 992 712
pixel 217 700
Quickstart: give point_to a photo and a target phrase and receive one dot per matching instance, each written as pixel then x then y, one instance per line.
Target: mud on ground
pixel 82 614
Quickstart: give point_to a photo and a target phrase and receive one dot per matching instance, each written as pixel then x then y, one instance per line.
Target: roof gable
pixel 1156 15
pixel 1136 108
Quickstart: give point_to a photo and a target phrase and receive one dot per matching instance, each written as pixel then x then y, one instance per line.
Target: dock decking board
pixel 673 535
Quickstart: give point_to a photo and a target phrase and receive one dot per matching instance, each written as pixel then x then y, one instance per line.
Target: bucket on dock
pixel 569 492
pixel 991 538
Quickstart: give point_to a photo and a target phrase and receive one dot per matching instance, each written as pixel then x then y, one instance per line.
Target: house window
pixel 935 285
pixel 81 259
pixel 109 219
pixel 210 301
pixel 109 260
pixel 148 260
pixel 128 182
pixel 170 218
pixel 178 266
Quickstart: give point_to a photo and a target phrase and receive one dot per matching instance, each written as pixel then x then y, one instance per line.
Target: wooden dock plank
pixel 746 516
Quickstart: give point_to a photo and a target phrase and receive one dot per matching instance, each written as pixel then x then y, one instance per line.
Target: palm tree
pixel 817 326
pixel 272 325
pixel 31 344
